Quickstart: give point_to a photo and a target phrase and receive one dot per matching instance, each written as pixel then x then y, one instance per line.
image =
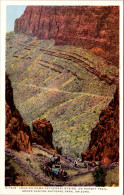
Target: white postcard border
pixel 56 190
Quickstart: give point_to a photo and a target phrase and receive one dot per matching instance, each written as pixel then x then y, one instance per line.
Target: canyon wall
pixel 104 144
pixel 89 27
pixel 95 28
pixel 17 133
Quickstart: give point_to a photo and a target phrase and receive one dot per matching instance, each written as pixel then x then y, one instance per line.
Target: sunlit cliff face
pixel 90 27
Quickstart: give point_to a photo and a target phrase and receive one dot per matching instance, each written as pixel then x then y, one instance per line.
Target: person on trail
pixel 76 162
pixel 59 172
pixel 62 172
pixel 53 158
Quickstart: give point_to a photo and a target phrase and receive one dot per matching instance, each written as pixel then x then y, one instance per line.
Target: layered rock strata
pixel 91 27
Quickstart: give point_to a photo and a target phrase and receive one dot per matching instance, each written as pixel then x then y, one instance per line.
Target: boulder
pixel 42 133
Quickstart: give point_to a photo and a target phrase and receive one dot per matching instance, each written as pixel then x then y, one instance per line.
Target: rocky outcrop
pixel 104 144
pixel 91 27
pixel 42 133
pixel 17 133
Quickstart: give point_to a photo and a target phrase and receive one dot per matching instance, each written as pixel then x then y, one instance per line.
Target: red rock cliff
pixel 91 27
pixel 42 133
pixel 17 133
pixel 104 144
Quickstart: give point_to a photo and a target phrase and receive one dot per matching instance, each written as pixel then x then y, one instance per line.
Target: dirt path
pixel 48 89
pixel 66 162
pixel 39 177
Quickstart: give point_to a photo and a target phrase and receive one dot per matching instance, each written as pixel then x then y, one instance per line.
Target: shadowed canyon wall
pixel 104 144
pixel 91 27
pixel 17 133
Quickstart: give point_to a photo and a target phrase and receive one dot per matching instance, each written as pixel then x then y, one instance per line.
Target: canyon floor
pixel 66 85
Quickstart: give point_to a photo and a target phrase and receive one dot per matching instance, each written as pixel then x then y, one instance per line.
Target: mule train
pixel 53 169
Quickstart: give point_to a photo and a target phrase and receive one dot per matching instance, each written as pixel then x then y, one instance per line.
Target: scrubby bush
pixel 76 154
pixel 59 150
pixel 10 173
pixel 99 176
pixel 28 159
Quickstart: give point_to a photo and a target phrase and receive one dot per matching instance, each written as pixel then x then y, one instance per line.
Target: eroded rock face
pixel 104 144
pixel 42 133
pixel 17 133
pixel 92 27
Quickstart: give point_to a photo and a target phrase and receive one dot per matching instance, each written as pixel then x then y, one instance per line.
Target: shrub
pixel 76 154
pixel 10 174
pixel 99 176
pixel 59 150
pixel 28 159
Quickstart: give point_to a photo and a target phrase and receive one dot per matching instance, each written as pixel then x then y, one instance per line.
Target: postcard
pixel 61 97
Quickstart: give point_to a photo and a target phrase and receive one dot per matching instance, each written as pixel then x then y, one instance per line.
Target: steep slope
pixel 17 133
pixel 90 27
pixel 104 144
pixel 66 85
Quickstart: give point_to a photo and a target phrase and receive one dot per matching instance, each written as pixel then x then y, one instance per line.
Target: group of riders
pixel 53 168
pixel 53 159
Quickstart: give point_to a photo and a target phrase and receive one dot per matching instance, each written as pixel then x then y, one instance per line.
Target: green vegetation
pixel 85 178
pixel 108 177
pixel 59 150
pixel 112 177
pixel 99 176
pixel 17 175
pixel 46 86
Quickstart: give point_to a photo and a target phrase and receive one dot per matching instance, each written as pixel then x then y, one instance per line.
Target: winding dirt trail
pixel 48 89
pixel 65 161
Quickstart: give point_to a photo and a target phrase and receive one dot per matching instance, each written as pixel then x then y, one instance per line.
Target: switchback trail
pixel 82 63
